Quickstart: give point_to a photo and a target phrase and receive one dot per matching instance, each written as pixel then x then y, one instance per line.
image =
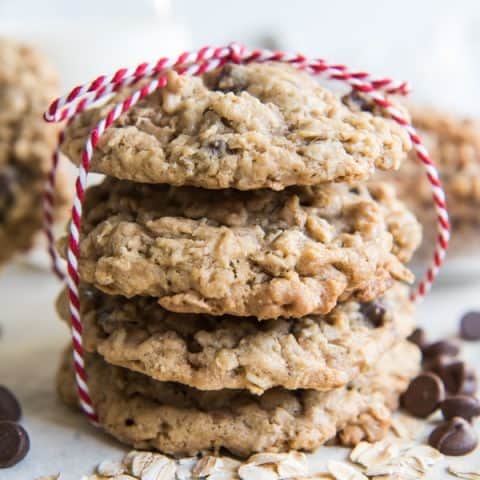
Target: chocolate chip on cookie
pixel 374 312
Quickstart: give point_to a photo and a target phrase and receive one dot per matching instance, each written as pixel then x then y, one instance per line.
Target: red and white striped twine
pixel 197 63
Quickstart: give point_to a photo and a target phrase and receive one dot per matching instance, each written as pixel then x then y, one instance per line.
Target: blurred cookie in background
pixel 27 86
pixel 454 144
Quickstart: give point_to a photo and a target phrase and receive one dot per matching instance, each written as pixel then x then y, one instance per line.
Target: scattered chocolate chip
pixel 457 378
pixel 9 406
pixel 375 312
pixel 442 347
pixel 436 363
pixel 470 326
pixel 454 437
pixel 462 406
pixel 14 443
pixel 423 395
pixel 418 337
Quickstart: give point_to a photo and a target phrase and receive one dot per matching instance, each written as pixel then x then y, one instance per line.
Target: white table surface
pixel 61 440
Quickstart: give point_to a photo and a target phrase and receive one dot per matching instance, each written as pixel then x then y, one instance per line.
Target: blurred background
pixel 435 44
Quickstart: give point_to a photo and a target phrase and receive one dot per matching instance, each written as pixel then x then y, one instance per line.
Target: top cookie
pixel 245 127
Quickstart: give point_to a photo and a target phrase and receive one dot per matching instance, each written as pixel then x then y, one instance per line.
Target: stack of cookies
pixel 27 84
pixel 243 287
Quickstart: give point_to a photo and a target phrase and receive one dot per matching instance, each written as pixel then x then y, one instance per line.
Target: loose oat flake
pixel 465 469
pixel 343 471
pixel 273 466
pixel 110 468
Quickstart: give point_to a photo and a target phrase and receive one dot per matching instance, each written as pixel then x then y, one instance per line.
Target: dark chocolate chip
pixel 423 395
pixel 453 376
pixel 460 406
pixel 193 345
pixel 14 443
pixel 418 337
pixel 457 377
pixel 454 437
pixel 356 101
pixel 228 81
pixel 374 312
pixel 442 347
pixel 470 326
pixel 7 198
pixel 217 148
pixel 436 363
pixel 9 406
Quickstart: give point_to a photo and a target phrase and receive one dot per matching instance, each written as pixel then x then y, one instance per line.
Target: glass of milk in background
pixel 92 37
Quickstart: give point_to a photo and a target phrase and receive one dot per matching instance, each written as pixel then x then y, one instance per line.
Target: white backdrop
pixel 435 44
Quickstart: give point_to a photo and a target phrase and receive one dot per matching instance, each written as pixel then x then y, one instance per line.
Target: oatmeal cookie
pixel 27 85
pixel 179 420
pixel 454 144
pixel 214 353
pixel 258 253
pixel 245 127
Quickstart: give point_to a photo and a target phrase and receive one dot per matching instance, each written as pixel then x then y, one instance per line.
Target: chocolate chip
pixel 7 178
pixel 9 406
pixel 456 377
pixel 418 337
pixel 14 443
pixel 442 347
pixel 436 363
pixel 217 147
pixel 374 312
pixel 229 80
pixel 193 345
pixel 423 395
pixel 356 101
pixel 454 437
pixel 460 406
pixel 470 326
